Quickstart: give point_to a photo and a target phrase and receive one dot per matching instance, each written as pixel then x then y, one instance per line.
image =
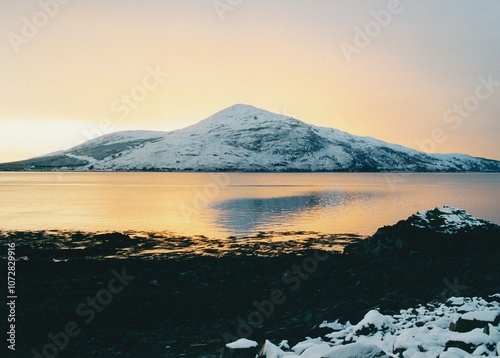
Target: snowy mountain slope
pixel 245 138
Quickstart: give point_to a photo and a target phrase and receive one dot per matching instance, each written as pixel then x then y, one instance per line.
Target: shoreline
pixel 66 245
pixel 194 304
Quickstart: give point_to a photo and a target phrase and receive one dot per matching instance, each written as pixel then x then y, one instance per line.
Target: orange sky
pixel 71 70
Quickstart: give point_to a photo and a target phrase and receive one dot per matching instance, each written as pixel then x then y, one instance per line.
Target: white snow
pixel 242 343
pixel 401 336
pixel 485 316
pixel 284 344
pixel 246 138
pixel 446 219
pixel 271 351
pixel 319 349
pixel 353 350
pixel 373 321
pixel 336 326
pixel 82 157
pixel 456 301
pixel 476 337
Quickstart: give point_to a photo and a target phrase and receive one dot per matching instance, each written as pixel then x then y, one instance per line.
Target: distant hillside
pixel 245 138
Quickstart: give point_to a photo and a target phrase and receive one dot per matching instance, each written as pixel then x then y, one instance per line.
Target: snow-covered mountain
pixel 245 138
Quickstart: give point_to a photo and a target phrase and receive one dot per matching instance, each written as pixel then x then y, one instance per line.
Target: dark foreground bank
pixel 190 306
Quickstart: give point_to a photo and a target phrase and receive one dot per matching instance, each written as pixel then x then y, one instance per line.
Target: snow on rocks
pixel 355 350
pixel 425 331
pixel 242 348
pixel 476 319
pixel 446 219
pixel 371 324
pixel 242 344
pixel 440 231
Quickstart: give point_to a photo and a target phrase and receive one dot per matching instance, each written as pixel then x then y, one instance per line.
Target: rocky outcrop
pixel 440 231
pixel 454 327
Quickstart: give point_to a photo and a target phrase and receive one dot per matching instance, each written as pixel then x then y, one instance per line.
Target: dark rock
pixel 239 353
pixel 188 277
pixel 492 298
pixel 114 239
pixel 307 318
pixel 468 347
pixel 416 237
pixel 317 331
pixel 203 286
pixel 466 325
pixel 132 343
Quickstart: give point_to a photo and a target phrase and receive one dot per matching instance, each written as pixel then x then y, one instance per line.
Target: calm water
pixel 220 205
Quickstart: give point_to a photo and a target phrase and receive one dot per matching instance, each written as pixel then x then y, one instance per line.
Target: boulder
pixel 473 320
pixel 470 341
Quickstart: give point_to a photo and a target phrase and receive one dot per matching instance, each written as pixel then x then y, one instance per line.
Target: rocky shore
pixel 128 301
pixel 459 327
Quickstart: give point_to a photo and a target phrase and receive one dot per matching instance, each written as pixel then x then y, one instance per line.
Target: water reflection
pixel 320 202
pixel 245 216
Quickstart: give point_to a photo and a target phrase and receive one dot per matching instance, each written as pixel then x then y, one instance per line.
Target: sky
pixel 424 74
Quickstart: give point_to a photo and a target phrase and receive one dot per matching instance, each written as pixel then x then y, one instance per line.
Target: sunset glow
pixel 81 73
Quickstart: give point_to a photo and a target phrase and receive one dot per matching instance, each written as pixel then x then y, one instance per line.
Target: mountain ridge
pixel 248 139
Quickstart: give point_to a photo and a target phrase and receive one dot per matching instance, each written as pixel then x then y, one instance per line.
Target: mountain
pixel 245 138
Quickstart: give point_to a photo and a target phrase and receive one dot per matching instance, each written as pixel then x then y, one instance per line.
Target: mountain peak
pixel 241 117
pixel 240 111
pixel 241 107
pixel 246 138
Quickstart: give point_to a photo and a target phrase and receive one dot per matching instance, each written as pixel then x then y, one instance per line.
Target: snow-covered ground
pixel 424 332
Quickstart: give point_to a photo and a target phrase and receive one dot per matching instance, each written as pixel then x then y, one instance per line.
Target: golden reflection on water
pixel 221 205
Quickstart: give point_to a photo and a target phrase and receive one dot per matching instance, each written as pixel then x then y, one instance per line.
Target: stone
pixel 469 321
pixel 431 233
pixel 188 277
pixel 467 347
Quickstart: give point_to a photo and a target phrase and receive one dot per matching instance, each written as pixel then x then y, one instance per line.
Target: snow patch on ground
pixel 82 158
